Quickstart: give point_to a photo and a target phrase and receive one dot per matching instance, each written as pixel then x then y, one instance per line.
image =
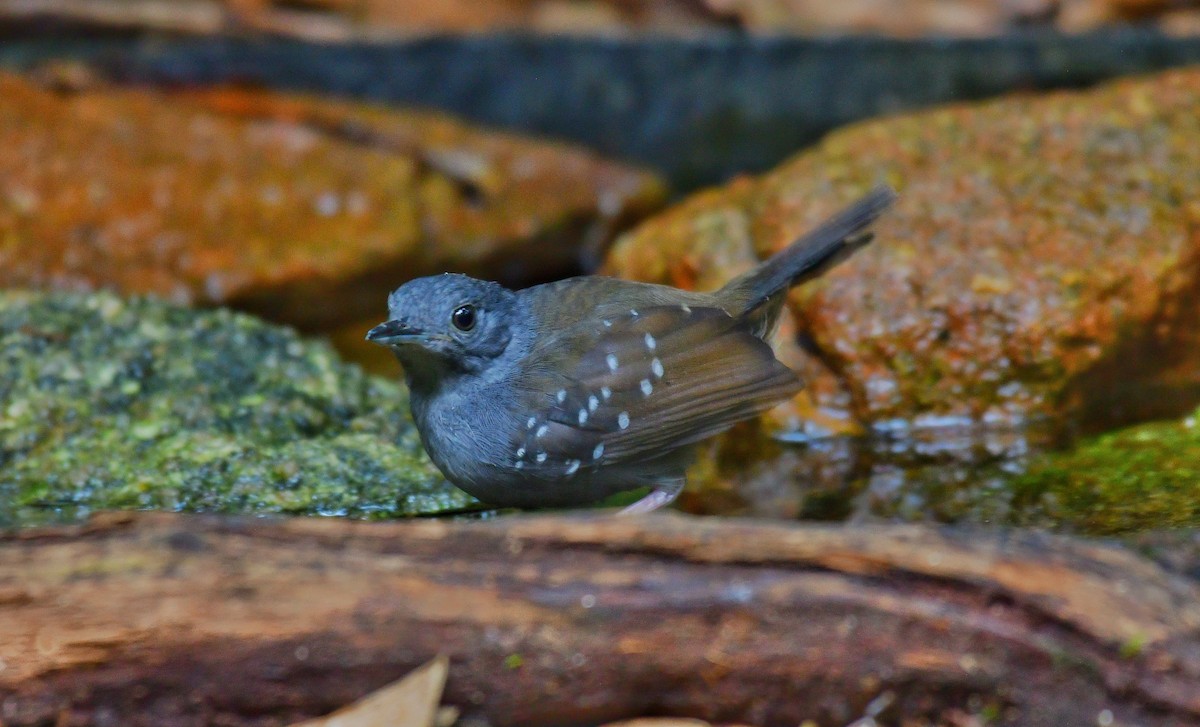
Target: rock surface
pixel 1043 259
pixel 107 403
pixel 304 211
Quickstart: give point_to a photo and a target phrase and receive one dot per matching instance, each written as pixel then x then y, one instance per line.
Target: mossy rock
pixel 1142 478
pixel 114 403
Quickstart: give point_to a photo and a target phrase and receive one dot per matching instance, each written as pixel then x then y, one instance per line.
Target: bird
pixel 563 394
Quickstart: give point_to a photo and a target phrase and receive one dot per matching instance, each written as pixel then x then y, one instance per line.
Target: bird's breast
pixel 465 434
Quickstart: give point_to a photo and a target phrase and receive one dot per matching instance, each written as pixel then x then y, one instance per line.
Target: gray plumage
pixel 565 393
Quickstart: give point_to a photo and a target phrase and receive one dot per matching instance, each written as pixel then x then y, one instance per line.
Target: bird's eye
pixel 464 317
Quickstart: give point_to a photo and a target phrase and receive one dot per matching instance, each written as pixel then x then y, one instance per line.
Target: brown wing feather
pixel 651 381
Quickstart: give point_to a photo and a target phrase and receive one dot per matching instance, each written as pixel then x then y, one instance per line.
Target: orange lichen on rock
pixel 1043 259
pixel 299 209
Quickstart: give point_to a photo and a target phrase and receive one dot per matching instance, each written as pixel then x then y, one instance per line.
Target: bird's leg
pixel 662 495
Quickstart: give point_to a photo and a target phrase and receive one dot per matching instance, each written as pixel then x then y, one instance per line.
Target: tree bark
pixel 156 619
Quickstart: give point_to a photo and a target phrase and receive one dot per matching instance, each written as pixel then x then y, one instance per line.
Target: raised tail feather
pixel 831 242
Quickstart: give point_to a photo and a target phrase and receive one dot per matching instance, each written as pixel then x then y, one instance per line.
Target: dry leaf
pixel 409 702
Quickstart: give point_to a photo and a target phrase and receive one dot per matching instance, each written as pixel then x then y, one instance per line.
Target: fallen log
pixel 156 619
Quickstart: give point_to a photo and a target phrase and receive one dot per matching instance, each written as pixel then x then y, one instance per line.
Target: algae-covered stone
pixel 1042 261
pixel 1141 478
pixel 113 403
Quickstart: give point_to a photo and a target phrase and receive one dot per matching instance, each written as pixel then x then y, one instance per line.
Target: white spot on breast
pixel 613 363
pixel 598 451
pixel 685 308
pixel 593 402
pixel 541 457
pixel 583 415
pixel 561 395
pixel 520 464
pixel 520 452
pixel 656 367
pixel 529 424
pixel 633 313
pixel 647 387
pixel 541 432
pixel 651 344
pixel 572 467
pixel 623 420
pixel 606 392
pixel 607 323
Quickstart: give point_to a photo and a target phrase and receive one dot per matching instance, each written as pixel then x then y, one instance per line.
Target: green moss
pixel 1140 478
pixel 112 403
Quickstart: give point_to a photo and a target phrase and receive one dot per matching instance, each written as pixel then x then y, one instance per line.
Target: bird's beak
pixel 394 332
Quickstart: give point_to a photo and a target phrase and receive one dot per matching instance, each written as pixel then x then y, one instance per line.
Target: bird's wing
pixel 649 381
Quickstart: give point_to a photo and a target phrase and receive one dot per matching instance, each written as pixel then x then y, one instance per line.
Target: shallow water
pixel 939 474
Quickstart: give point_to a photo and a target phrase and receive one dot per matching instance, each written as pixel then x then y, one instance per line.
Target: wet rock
pixel 303 211
pixel 112 403
pixel 1043 260
pixel 1141 478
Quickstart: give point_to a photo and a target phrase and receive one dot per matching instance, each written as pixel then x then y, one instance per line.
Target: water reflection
pixel 953 473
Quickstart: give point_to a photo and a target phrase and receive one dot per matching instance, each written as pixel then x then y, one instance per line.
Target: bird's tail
pixel 833 241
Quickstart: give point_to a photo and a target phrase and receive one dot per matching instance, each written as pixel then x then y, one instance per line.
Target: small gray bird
pixel 565 393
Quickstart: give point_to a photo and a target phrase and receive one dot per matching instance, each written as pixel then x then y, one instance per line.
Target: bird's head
pixel 446 325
